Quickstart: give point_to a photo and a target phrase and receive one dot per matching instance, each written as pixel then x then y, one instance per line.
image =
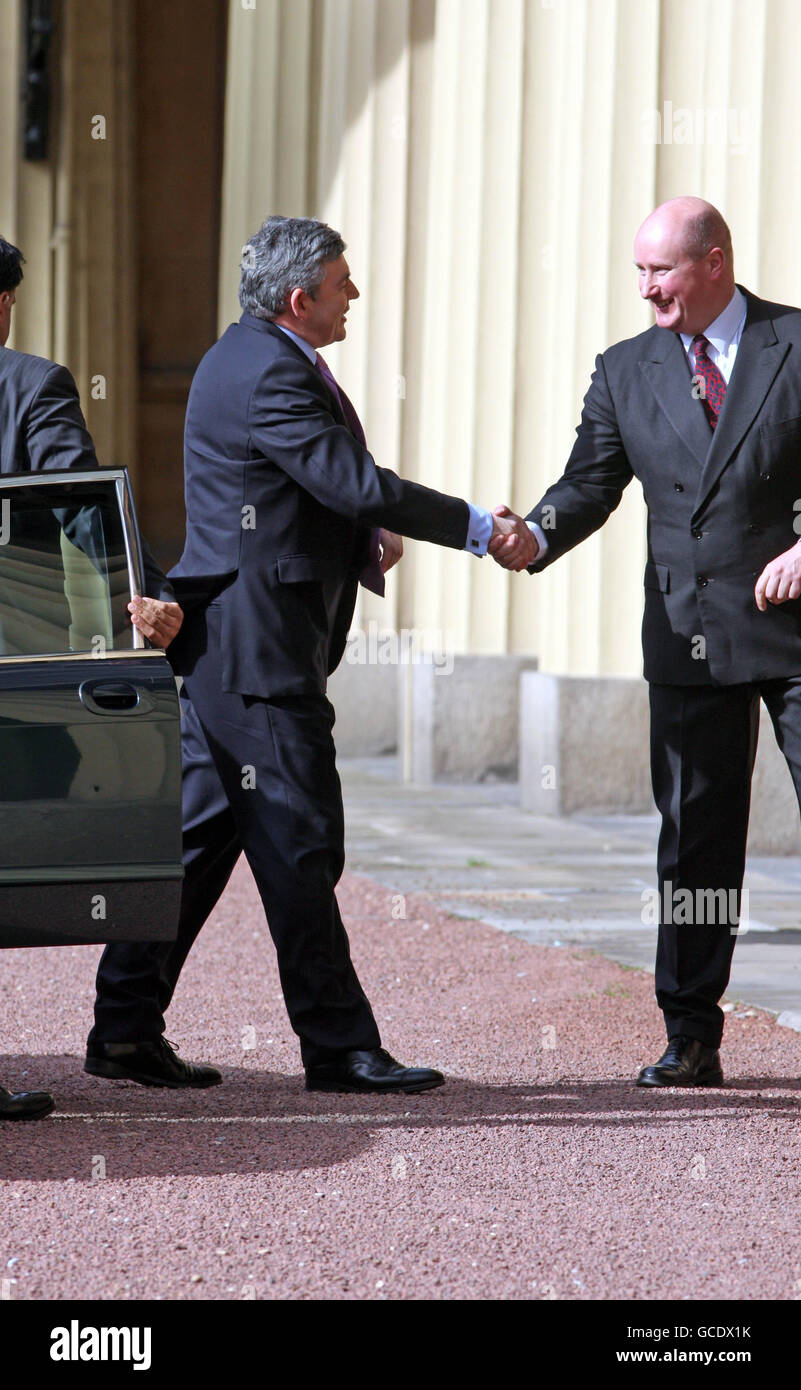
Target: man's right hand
pixel 156 619
pixel 512 544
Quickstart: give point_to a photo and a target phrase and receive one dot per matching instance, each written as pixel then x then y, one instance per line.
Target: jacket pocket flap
pixel 657 577
pixel 295 569
pixel 776 428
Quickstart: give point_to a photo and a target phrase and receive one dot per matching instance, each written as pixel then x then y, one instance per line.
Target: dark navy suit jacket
pixel 280 499
pixel 42 427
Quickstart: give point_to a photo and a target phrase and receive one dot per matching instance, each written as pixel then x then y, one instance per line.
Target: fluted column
pixel 449 299
pixel 267 123
pixel 94 230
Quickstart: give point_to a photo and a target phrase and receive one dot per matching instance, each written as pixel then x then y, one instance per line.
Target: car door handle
pixel 113 697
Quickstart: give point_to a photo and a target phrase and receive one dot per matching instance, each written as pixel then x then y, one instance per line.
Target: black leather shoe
pixel 149 1063
pixel 685 1062
pixel 373 1070
pixel 25 1105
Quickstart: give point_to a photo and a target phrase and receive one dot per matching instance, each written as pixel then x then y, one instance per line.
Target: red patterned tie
pixel 714 385
pixel 372 576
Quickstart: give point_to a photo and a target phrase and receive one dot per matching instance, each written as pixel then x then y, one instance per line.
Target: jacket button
pixel 702 581
pixel 755 530
pixel 765 477
pixel 678 487
pixel 697 533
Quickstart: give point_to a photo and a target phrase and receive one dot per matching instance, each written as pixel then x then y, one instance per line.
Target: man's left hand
pixel 780 580
pixel 157 620
pixel 391 549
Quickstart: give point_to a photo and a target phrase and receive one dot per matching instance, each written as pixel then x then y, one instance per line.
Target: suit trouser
pixel 259 776
pixel 703 745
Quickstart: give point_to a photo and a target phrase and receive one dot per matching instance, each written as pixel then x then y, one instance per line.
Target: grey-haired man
pixel 272 441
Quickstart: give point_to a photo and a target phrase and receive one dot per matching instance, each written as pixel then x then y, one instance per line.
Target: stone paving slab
pixel 571 881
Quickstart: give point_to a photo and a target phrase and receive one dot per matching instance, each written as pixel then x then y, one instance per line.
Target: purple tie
pixel 372 576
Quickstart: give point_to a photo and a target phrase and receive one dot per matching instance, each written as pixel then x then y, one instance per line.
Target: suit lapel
pixel 266 326
pixel 292 348
pixel 758 360
pixel 667 372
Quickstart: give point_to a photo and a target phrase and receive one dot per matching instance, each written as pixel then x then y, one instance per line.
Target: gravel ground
pixel 537 1172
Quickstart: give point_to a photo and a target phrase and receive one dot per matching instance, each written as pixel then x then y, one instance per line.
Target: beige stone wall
pixel 25 190
pixel 488 162
pixel 71 213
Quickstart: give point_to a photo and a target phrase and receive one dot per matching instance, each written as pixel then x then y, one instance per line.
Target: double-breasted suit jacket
pixel 720 505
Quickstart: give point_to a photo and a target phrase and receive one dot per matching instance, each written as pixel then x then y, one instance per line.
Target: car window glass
pixel 64 583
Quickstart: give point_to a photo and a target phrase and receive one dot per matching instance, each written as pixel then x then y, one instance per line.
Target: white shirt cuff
pixel 539 536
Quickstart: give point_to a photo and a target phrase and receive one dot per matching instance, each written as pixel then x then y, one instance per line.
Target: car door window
pixel 65 574
pixel 90 765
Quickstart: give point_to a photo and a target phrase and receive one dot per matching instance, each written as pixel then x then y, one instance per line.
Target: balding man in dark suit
pixel 704 409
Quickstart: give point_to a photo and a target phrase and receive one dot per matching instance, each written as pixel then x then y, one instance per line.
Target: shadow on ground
pixel 265 1122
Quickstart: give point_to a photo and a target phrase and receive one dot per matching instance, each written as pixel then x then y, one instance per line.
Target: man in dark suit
pixel 284 506
pixel 705 410
pixel 42 427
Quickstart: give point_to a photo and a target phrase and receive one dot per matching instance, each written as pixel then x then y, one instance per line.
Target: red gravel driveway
pixel 538 1171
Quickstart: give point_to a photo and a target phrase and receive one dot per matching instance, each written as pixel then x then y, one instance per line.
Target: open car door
pixel 90 757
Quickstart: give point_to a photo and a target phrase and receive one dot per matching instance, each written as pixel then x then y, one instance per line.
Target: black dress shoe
pixel 685 1062
pixel 373 1070
pixel 25 1105
pixel 149 1063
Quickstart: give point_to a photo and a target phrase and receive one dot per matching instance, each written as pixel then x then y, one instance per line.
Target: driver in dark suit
pixel 42 426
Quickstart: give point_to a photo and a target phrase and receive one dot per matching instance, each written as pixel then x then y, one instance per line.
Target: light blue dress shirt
pixel 723 336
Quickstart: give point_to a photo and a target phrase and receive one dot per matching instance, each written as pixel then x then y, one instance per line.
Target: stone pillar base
pixel 583 744
pixel 365 697
pixel 774 827
pixel 459 720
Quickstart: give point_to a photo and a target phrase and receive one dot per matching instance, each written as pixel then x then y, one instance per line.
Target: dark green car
pixel 90 758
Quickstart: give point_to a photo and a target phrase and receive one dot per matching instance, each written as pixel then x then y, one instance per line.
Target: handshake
pixel 512 545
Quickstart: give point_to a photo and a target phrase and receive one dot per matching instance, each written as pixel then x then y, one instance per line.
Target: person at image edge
pixel 42 427
pixel 704 408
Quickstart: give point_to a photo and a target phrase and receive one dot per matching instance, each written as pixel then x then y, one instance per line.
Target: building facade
pixel 488 162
